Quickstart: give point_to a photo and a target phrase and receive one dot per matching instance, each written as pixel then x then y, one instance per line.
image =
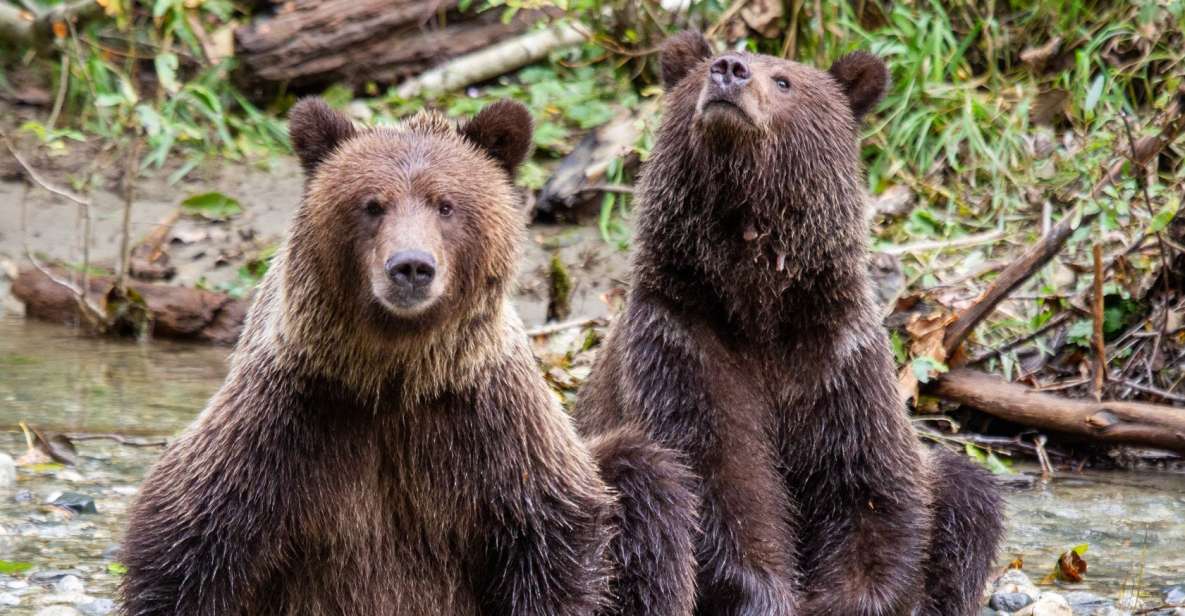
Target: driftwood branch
pixel 494 60
pixel 1112 422
pixel 1037 256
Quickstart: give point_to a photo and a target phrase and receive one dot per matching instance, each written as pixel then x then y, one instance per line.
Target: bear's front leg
pixel 696 397
pixel 207 534
pixel 853 460
pixel 547 553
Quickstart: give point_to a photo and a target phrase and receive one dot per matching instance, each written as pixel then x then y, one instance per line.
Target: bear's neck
pixel 317 336
pixel 768 254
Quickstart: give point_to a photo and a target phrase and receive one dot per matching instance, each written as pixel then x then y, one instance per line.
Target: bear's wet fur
pixel 384 443
pixel 751 344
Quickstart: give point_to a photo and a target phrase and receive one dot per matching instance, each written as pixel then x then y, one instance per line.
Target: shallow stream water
pixel 56 381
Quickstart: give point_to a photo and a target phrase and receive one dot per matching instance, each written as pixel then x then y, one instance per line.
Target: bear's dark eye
pixel 373 207
pixel 783 83
pixel 445 208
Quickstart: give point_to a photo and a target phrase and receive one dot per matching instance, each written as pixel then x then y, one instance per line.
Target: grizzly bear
pixel 751 344
pixel 384 443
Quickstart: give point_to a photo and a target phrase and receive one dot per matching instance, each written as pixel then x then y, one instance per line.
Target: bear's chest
pixel 397 506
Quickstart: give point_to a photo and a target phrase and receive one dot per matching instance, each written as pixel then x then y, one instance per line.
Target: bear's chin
pixel 418 310
pixel 724 124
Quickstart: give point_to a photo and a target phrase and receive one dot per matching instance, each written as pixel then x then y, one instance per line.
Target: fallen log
pixel 318 43
pixel 176 312
pixel 1109 422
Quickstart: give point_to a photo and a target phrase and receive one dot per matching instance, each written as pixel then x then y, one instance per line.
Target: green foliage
pixel 988 460
pixel 212 206
pixel 11 567
pixel 250 274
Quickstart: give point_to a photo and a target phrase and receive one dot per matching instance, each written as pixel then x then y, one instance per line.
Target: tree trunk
pixel 309 44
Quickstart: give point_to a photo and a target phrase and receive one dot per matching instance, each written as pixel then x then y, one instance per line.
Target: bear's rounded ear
pixel 680 54
pixel 503 129
pixel 864 78
pixel 315 130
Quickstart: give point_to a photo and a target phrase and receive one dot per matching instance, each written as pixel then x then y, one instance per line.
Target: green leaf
pixel 1162 218
pixel 987 459
pixel 116 569
pixel 10 567
pixel 161 7
pixel 212 205
pixel 924 366
pixel 166 70
pixel 1096 90
pixel 109 100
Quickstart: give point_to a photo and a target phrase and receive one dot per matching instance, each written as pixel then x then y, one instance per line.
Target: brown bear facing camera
pixel 384 443
pixel 751 343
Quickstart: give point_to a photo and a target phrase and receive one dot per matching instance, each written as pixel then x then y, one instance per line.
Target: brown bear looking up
pixel 751 344
pixel 384 443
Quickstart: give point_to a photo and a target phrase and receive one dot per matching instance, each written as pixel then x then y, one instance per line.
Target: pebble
pixel 1012 592
pixel 69 584
pixel 78 503
pixel 8 599
pixel 1048 604
pixel 97 607
pixel 1175 596
pixel 50 577
pixel 1009 601
pixel 7 471
pixel 23 496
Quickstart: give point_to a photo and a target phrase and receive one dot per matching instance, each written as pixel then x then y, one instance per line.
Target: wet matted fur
pixel 751 344
pixel 366 457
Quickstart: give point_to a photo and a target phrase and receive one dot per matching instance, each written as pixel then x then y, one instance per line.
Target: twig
pixel 88 310
pixel 959 242
pixel 129 195
pixel 1100 346
pixel 790 46
pixel 42 182
pixel 609 188
pixel 60 99
pixel 547 330
pixel 118 438
pixel 731 12
pixel 1156 391
pixel 1043 457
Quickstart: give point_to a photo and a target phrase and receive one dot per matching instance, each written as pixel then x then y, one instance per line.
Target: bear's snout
pixel 730 72
pixel 411 269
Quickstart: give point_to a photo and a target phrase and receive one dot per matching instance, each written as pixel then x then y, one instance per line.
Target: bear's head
pixel 743 97
pixel 405 227
pixel 752 200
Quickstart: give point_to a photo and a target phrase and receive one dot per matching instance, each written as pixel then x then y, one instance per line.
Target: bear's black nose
pixel 731 71
pixel 411 268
